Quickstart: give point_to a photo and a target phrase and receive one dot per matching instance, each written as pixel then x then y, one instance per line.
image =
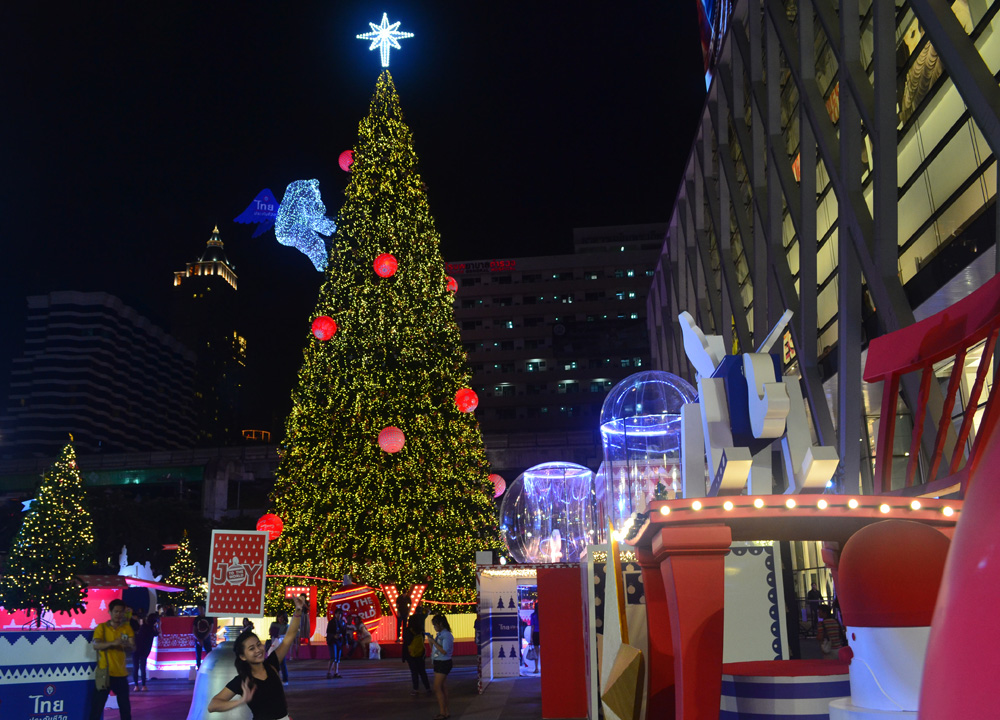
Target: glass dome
pixel 547 513
pixel 641 434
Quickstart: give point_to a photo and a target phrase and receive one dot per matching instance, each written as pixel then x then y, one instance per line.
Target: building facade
pixel 547 337
pixel 94 367
pixel 204 316
pixel 845 169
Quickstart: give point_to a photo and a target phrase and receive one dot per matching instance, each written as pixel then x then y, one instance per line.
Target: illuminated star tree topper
pixel 385 36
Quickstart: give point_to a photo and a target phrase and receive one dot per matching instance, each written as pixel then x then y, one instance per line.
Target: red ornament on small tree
pixel 271 524
pixel 452 284
pixel 499 485
pixel 385 265
pixel 466 400
pixel 391 439
pixel 346 160
pixel 324 327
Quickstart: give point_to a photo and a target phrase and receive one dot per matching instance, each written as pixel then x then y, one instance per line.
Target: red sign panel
pixel 358 600
pixel 236 573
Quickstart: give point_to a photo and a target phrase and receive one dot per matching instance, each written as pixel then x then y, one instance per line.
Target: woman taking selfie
pixel 257 682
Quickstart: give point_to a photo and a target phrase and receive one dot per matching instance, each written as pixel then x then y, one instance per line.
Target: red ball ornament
pixel 346 160
pixel 324 327
pixel 499 485
pixel 271 524
pixel 385 265
pixel 452 284
pixel 466 400
pixel 391 439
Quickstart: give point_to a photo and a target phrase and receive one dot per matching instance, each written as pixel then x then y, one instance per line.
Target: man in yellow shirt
pixel 112 640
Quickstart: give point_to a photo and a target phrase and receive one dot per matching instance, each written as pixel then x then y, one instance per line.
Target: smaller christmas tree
pixel 184 573
pixel 54 544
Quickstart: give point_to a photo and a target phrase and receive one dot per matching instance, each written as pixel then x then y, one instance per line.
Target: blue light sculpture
pixel 298 221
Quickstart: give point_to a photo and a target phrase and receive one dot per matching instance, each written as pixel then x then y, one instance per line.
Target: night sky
pixel 131 129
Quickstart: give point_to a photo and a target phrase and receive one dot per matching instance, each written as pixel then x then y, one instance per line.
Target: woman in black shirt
pixel 257 683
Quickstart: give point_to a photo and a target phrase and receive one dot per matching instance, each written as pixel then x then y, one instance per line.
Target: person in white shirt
pixel 442 646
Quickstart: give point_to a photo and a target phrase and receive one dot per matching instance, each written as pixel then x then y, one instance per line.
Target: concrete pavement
pixel 369 689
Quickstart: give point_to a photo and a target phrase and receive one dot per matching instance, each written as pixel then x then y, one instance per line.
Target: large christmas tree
pixel 54 545
pixel 419 514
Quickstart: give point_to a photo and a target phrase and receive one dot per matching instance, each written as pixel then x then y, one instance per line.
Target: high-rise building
pixel 845 168
pixel 547 337
pixel 204 317
pixel 94 367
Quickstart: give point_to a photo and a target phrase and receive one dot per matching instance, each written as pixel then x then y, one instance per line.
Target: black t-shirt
pixel 268 702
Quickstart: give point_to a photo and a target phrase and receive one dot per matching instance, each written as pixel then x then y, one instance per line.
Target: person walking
pixel 336 635
pixel 201 630
pixel 277 632
pixel 148 630
pixel 536 636
pixel 443 645
pixel 112 639
pixel 257 682
pixel 414 653
pixel 814 597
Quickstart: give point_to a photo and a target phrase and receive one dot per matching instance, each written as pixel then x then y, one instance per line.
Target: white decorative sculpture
pixel 746 405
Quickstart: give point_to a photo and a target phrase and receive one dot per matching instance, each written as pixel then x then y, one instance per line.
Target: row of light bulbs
pixel 790 503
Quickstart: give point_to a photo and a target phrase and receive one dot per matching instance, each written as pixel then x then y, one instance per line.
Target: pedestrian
pixel 363 637
pixel 443 645
pixel 257 681
pixel 148 630
pixel 277 632
pixel 414 653
pixel 112 639
pixel 201 631
pixel 336 635
pixel 814 597
pixel 536 636
pixel 829 633
pixel 305 629
pixel 402 613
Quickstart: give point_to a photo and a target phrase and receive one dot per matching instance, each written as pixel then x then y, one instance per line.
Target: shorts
pixel 442 667
pixel 536 638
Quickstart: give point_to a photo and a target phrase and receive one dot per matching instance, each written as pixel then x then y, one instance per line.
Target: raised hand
pixel 300 602
pixel 248 690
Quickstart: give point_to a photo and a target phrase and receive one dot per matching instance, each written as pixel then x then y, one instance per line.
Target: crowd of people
pixel 261 668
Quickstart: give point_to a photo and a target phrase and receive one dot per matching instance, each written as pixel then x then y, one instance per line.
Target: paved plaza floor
pixel 369 690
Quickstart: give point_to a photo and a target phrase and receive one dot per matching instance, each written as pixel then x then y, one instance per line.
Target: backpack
pixel 416 646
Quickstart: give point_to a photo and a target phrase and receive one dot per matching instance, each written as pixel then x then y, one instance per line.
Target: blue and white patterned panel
pixel 499 626
pixel 794 698
pixel 755 606
pixel 46 673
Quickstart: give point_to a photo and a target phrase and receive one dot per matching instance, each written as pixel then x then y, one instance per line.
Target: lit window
pixel 626 362
pixel 630 273
pixel 509 324
pixel 631 296
pixel 620 295
pixel 634 316
pixel 650 273
pixel 637 362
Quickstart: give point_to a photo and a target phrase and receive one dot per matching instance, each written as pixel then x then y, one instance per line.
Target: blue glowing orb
pixel 301 220
pixel 384 37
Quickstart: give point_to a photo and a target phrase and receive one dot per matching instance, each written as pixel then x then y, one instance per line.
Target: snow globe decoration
pixel 641 434
pixel 547 514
